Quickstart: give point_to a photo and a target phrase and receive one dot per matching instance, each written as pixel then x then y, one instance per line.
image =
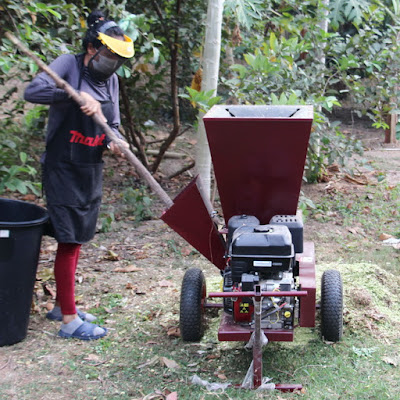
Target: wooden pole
pixel 390 133
pixel 62 84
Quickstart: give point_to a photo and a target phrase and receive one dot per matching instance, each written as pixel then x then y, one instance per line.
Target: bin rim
pixel 20 224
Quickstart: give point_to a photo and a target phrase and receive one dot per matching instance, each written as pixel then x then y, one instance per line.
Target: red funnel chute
pixel 190 217
pixel 258 153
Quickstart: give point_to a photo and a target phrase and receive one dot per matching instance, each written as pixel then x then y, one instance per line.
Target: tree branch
pixel 139 144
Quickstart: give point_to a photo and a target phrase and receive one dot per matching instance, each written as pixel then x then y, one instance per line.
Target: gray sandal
pixel 82 330
pixel 56 315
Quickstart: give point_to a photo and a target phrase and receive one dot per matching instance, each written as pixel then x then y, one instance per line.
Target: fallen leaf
pixel 112 256
pixel 48 290
pixel 390 360
pixel 151 342
pixel 171 364
pixel 222 377
pixel 129 268
pixel 165 283
pixel 384 236
pixel 150 362
pixel 154 396
pixel 140 255
pixel 92 357
pixel 172 396
pixel 29 197
pixel 45 274
pixel 174 331
pixel 187 250
pixel 52 247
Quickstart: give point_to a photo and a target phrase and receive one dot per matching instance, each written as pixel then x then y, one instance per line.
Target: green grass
pixel 356 368
pixel 372 211
pixel 127 364
pixel 357 219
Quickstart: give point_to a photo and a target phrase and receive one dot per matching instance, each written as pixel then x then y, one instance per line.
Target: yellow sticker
pixel 244 308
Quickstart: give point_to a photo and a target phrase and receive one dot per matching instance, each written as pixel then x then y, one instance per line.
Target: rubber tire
pixel 193 294
pixel 331 306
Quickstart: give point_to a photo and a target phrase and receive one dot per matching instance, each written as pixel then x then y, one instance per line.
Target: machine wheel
pixel 193 295
pixel 331 306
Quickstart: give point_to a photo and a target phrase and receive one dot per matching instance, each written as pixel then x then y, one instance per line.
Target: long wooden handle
pixel 62 84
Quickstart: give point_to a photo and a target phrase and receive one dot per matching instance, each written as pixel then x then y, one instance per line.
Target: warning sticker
pixel 4 234
pixel 244 308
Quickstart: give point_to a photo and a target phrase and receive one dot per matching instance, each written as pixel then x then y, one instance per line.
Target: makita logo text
pixel 77 137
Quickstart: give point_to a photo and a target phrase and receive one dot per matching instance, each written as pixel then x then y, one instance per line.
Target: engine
pixel 263 255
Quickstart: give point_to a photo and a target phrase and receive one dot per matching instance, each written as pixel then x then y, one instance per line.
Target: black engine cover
pixel 266 249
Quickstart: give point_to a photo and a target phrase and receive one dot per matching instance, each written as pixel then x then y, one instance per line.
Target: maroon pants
pixel 64 272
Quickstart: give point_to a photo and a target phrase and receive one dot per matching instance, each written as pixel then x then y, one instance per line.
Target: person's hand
pixel 91 106
pixel 114 147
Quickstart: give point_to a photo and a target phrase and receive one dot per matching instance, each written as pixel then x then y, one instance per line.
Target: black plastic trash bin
pixel 21 230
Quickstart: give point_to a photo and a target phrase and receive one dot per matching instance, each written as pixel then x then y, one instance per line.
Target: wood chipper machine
pixel 268 270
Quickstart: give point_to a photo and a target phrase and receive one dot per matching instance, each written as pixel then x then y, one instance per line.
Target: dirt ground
pixel 136 269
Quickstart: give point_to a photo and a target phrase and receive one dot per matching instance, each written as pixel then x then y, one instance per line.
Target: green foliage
pixel 282 57
pixel 136 207
pixel 342 11
pixel 106 219
pixel 278 73
pixel 17 177
pixel 138 203
pixel 35 119
pixel 246 12
pixel 372 75
pixel 50 29
pixel 18 171
pixel 201 99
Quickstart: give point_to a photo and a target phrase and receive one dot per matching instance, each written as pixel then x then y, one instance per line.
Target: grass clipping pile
pixel 370 299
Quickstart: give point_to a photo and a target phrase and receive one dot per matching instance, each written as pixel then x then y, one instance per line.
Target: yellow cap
pixel 287 314
pixel 124 48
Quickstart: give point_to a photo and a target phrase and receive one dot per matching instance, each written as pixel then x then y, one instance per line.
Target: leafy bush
pixel 278 73
pixel 18 170
pixel 138 203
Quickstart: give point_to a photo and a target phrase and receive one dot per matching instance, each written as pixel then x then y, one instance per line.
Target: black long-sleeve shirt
pixel 43 90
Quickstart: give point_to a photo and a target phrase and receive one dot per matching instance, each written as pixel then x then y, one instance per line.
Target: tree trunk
pixel 323 24
pixel 135 137
pixel 211 57
pixel 173 43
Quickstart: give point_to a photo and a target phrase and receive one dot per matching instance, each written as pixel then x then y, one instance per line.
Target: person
pixel 72 162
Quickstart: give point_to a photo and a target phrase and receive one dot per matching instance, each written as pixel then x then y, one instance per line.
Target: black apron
pixel 73 174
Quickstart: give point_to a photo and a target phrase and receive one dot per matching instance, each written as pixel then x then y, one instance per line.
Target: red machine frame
pixel 258 153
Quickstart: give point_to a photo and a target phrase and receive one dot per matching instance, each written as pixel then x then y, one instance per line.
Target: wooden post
pixel 390 133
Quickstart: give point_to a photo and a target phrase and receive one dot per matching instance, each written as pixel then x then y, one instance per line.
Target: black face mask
pixel 104 63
